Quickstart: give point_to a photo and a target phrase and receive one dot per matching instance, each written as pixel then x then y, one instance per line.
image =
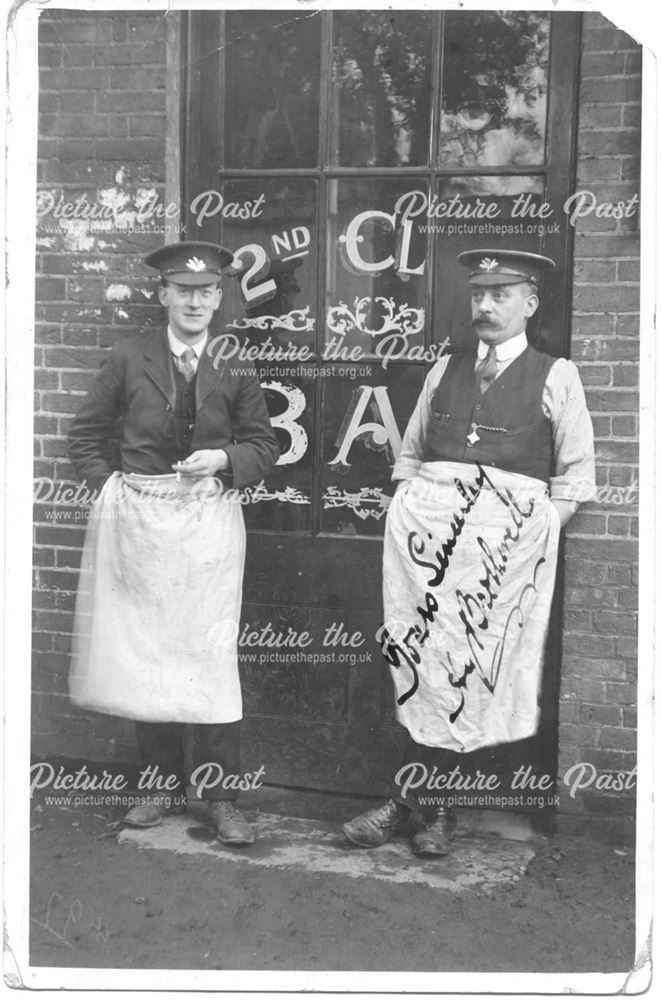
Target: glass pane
pixel 481 212
pixel 376 272
pixel 381 88
pixel 495 87
pixel 271 89
pixel 268 318
pixel 270 298
pixel 364 419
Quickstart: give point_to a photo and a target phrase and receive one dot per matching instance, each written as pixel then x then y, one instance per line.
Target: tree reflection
pixel 381 75
pixel 495 82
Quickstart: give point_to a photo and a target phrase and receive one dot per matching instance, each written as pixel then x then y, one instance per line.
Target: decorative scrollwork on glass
pixel 368 501
pixel 402 319
pixel 296 321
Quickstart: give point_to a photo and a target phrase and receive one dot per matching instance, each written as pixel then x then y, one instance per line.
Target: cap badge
pixel 195 264
pixel 488 263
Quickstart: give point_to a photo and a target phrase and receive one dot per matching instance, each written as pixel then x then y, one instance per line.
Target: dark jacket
pixel 133 398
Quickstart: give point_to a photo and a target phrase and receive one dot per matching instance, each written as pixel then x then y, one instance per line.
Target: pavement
pixel 480 860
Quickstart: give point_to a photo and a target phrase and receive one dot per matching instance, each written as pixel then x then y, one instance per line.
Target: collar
pixel 508 350
pixel 178 347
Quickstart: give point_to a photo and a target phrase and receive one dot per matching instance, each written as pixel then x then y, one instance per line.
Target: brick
pixel 610 142
pixel 611 91
pixel 588 689
pixel 618 451
pixel 55 402
pixel 603 715
pixel 600 298
pixel 628 326
pixel 602 64
pixel 621 475
pixel 632 115
pixel 132 78
pixel 77 380
pixel 634 62
pixel 79 124
pixel 598 168
pixel 46 380
pixel 599 35
pixel 50 55
pixel 613 400
pixel 628 270
pixel 627 647
pixel 589 645
pixel 591 597
pixel 601 424
pixel 43 557
pixel 50 289
pixel 625 426
pixel 630 168
pixel 569 711
pixel 76 102
pixel 630 717
pixel 133 149
pixel 621 576
pixel 150 53
pixel 85 358
pixel 576 621
pixel 617 738
pixel 611 245
pixel 48 104
pixel 618 803
pixel 596 669
pixel 78 54
pixel 596 375
pixel 89 29
pixel 120 101
pixel 605 550
pixel 57 621
pixel 600 116
pixel 621 693
pixel 595 270
pixel 146 125
pixel 578 735
pixel 45 425
pixel 85 289
pixel 589 524
pixel 612 350
pixel 145 27
pixel 583 571
pixel 618 525
pixel 78 314
pixel 74 79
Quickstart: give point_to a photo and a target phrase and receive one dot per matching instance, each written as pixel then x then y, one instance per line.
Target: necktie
pixel 186 363
pixel 486 371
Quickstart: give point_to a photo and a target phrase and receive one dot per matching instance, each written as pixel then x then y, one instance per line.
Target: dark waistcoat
pixel 512 432
pixel 184 415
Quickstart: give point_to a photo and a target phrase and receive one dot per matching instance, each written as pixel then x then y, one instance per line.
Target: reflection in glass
pixel 381 88
pixel 270 296
pixel 376 270
pixel 272 89
pixel 495 86
pixel 505 198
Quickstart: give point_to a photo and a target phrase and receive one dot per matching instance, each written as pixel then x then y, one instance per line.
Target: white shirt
pixel 563 403
pixel 177 346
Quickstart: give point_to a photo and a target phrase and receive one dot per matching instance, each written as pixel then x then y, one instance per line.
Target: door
pixel 346 158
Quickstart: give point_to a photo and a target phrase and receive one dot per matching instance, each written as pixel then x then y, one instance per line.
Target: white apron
pixel 159 601
pixel 469 569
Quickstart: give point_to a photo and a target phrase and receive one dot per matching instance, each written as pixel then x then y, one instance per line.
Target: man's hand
pixel 206 462
pixel 565 509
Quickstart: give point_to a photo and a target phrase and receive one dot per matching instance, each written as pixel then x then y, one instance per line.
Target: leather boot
pixel 436 832
pixel 231 825
pixel 151 810
pixel 376 826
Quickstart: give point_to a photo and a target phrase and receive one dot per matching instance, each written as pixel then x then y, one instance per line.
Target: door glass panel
pixel 376 272
pixel 381 88
pixel 495 88
pixel 272 89
pixel 270 297
pixel 364 419
pixel 490 212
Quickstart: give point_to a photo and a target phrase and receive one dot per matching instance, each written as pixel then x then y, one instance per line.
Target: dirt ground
pixel 95 903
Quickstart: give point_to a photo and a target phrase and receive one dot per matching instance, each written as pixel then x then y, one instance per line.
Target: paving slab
pixel 482 863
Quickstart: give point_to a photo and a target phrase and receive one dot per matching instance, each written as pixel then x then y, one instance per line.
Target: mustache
pixel 484 321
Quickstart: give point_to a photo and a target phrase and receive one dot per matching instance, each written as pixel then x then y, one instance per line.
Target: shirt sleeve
pixel 563 402
pixel 410 457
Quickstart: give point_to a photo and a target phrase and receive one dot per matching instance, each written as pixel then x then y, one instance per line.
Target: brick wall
pixel 102 128
pixel 102 121
pixel 598 689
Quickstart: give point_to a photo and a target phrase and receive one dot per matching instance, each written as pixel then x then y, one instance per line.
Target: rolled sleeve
pixel 563 401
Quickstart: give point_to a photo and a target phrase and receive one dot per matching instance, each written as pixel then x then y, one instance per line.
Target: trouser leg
pixel 219 746
pixel 161 745
pixel 419 761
